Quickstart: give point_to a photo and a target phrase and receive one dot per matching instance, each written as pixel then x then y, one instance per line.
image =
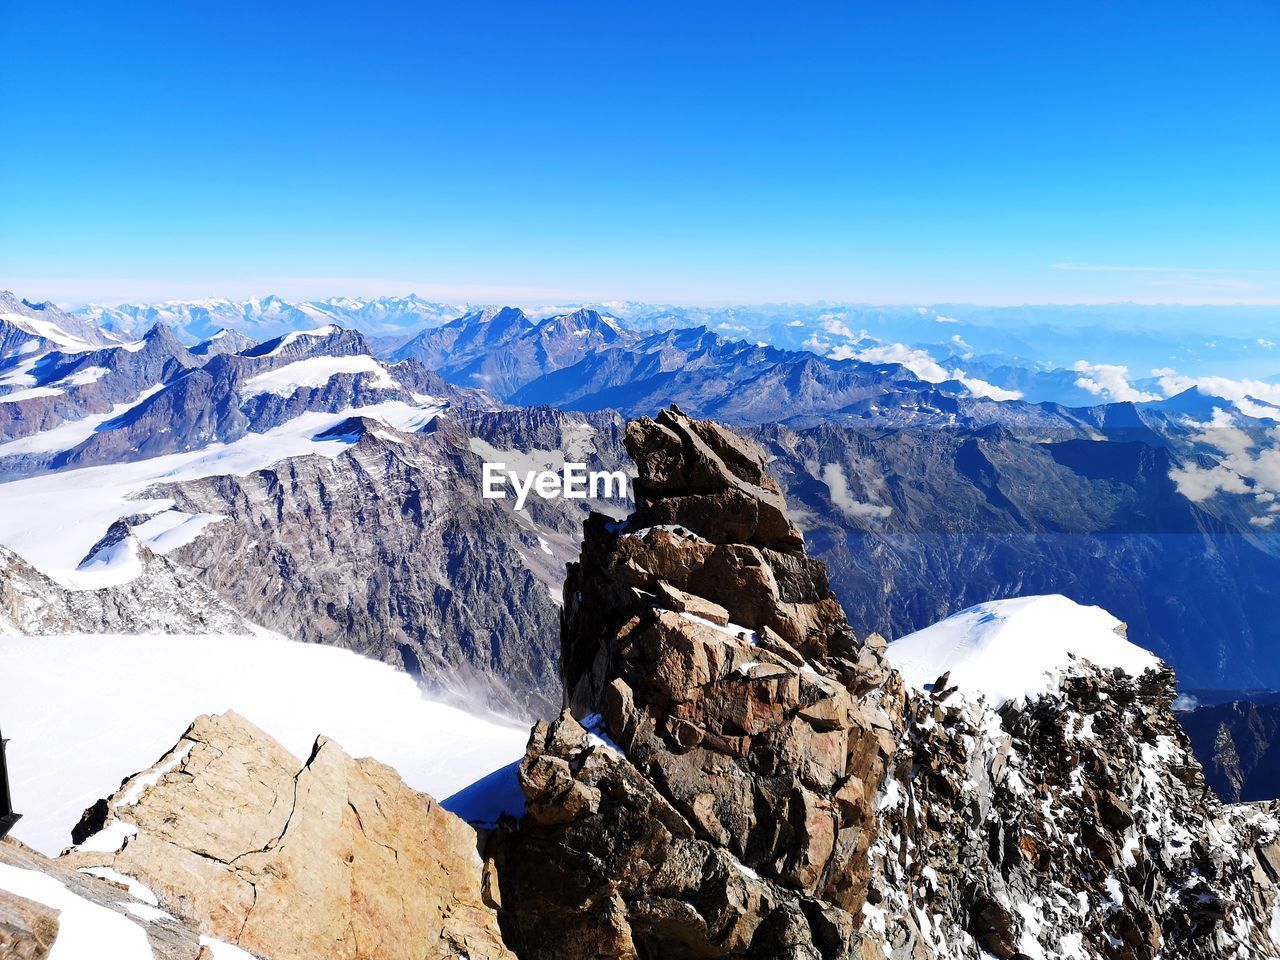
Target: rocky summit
pixel 709 790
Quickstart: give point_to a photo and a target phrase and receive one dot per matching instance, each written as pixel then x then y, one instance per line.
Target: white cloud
pixel 1264 342
pixel 838 487
pixel 1240 471
pixel 914 359
pixel 1259 411
pixel 734 327
pixel 959 343
pixel 816 344
pixel 941 319
pixel 1200 483
pixel 923 366
pixel 1238 392
pixel 796 323
pixel 1110 381
pixel 981 388
pixel 833 323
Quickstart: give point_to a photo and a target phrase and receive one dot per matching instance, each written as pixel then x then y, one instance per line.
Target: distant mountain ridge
pixel 503 350
pixel 922 496
pixel 261 318
pixel 1239 744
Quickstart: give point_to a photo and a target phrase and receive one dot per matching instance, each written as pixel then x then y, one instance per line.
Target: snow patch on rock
pixel 315 372
pixel 1007 650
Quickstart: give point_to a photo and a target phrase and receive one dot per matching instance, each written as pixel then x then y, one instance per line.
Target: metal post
pixel 7 817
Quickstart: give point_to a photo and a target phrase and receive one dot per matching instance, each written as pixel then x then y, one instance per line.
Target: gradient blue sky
pixel 1002 152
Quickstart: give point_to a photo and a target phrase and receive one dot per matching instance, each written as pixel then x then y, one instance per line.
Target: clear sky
pixel 895 152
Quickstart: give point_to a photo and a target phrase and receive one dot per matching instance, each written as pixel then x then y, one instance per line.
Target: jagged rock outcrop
pixel 333 857
pixel 1074 824
pixel 708 790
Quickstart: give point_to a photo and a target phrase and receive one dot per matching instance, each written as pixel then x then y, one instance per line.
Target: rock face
pixel 1239 745
pixel 27 929
pixel 1075 824
pixel 454 588
pixel 708 791
pixel 332 858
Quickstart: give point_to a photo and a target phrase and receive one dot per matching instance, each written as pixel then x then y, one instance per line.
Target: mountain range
pixel 735 773
pixel 313 451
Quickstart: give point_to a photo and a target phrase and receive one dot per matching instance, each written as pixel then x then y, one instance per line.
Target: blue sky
pixel 696 153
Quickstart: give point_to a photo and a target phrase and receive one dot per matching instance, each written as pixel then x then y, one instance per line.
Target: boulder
pixel 334 857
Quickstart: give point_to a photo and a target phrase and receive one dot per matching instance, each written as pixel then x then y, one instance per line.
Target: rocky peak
pixel 334 857
pixel 330 340
pixel 160 338
pixel 710 785
pixel 710 532
pixel 222 341
pixel 697 475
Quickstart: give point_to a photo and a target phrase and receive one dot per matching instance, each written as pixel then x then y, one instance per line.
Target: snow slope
pixel 316 372
pixel 53 520
pixel 1016 649
pixel 47 331
pixel 85 929
pixel 69 433
pixel 84 712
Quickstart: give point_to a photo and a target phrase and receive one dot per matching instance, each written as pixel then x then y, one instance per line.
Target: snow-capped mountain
pixel 300 459
pixel 27 328
pixel 503 350
pixel 263 317
pixel 922 497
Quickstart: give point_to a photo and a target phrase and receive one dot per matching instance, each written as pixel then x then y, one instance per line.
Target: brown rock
pixel 27 929
pixel 335 857
pixel 701 476
pixel 736 819
pixel 676 599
